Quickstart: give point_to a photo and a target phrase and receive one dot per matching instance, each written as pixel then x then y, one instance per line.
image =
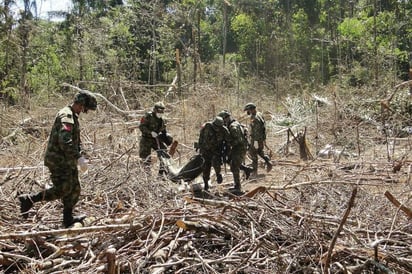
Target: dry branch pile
pixel 264 233
pixel 347 215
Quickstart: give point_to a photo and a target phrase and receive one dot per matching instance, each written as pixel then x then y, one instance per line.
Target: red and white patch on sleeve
pixel 67 127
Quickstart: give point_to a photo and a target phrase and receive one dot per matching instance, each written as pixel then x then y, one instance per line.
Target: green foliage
pixel 303 43
pixel 11 94
pixel 352 29
pixel 246 35
pixel 46 69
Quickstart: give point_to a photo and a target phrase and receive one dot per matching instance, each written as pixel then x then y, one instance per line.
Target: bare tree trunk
pixel 194 56
pixel 179 74
pixel 24 43
pixel 225 4
pixel 375 47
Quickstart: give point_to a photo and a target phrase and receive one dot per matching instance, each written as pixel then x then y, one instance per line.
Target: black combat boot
pixel 25 205
pixel 237 189
pixel 219 178
pixel 268 163
pixel 27 201
pixel 69 220
pixel 247 170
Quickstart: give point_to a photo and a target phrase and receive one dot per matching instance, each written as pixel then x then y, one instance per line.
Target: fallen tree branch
pixel 336 235
pixel 123 112
pixel 19 168
pixel 77 230
pixel 394 201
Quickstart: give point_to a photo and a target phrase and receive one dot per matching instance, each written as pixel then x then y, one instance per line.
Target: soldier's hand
pixel 154 134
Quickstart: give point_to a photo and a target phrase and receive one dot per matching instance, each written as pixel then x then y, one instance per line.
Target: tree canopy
pixel 315 42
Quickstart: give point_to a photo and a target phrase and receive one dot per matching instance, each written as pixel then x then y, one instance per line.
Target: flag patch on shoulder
pixel 67 127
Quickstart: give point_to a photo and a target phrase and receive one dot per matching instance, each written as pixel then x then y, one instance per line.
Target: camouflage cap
pixel 218 121
pixel 249 106
pixel 224 114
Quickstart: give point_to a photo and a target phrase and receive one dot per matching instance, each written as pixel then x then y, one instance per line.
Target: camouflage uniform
pixel 257 138
pixel 211 138
pixel 62 153
pixel 151 123
pixel 238 148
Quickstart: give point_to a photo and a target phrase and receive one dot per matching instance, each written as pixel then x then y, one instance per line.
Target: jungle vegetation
pixel 142 45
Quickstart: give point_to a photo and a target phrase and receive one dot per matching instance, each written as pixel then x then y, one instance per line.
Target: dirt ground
pixel 331 213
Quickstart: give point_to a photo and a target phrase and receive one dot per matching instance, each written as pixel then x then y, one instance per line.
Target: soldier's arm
pixel 262 127
pixel 235 136
pixel 204 132
pixel 66 141
pixel 163 127
pixel 201 141
pixel 65 127
pixel 145 125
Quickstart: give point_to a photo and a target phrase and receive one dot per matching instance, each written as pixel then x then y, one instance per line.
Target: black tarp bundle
pixel 187 173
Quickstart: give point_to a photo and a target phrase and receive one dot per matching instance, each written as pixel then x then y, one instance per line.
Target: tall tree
pixel 24 31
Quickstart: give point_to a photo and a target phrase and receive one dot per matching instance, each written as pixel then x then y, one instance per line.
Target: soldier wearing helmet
pixel 211 138
pixel 87 99
pixel 257 137
pixel 154 136
pixel 63 156
pixel 238 148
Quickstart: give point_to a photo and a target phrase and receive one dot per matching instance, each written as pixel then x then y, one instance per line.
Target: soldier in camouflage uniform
pixel 62 157
pixel 211 138
pixel 257 137
pixel 154 136
pixel 238 148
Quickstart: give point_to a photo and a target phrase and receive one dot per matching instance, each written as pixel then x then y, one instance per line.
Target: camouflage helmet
pixel 218 121
pixel 159 106
pixel 91 103
pixel 87 99
pixel 224 114
pixel 249 106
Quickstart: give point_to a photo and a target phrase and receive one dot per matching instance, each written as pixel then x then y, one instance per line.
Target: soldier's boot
pixel 237 189
pixel 69 219
pixel 27 201
pixel 247 170
pixel 219 178
pixel 25 205
pixel 268 163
